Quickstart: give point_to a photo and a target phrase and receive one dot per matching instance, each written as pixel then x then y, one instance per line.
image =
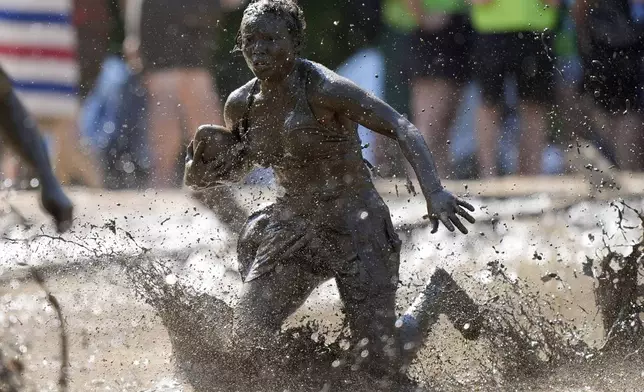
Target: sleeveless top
pixel 306 146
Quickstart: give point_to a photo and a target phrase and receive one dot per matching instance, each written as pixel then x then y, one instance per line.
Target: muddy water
pixel 117 342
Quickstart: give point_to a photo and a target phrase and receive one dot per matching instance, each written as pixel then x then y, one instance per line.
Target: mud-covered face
pixel 267 45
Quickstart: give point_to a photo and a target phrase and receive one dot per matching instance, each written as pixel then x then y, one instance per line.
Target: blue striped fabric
pixel 57 88
pixel 35 17
pixel 38 52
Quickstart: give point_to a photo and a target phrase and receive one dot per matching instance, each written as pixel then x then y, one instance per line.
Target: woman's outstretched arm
pixel 338 94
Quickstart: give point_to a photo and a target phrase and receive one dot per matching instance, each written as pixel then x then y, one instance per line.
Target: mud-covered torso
pixel 308 154
pixel 330 216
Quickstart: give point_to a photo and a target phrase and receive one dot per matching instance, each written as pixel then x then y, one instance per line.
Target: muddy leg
pixel 434 104
pixel 441 295
pixel 370 312
pixel 164 129
pixel 266 302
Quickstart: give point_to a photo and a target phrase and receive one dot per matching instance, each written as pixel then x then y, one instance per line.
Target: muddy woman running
pixel 300 118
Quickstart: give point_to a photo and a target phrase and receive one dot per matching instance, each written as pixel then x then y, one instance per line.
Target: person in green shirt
pixel 440 43
pixel 513 39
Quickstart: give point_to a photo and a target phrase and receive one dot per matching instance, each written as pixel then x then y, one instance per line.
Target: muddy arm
pixel 344 97
pixel 341 95
pixel 21 132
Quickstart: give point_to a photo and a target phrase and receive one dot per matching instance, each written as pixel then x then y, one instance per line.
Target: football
pixel 220 142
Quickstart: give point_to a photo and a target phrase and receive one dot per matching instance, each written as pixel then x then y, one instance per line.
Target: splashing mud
pixel 522 340
pixel 199 326
pixel 542 330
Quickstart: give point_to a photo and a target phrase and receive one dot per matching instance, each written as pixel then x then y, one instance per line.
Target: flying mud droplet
pixel 171 279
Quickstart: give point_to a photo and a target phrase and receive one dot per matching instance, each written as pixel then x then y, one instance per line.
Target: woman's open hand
pixel 445 207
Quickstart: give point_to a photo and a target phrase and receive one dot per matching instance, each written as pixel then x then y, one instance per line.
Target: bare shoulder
pixel 319 76
pixel 325 84
pixel 237 104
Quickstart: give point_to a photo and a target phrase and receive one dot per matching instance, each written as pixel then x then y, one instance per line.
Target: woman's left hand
pixel 445 207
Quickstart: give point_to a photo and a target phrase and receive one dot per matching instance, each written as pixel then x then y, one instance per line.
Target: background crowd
pixel 496 87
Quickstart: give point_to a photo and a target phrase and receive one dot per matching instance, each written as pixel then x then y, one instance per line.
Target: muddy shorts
pixel 445 53
pixel 527 56
pixel 356 245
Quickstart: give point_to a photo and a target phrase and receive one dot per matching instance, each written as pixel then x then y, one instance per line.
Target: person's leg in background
pixel 627 124
pixel 72 160
pixel 440 74
pixel 612 79
pixel 8 168
pixel 490 76
pixel 434 104
pixel 532 142
pixel 535 81
pixel 155 34
pixel 199 100
pixel 395 48
pixel 165 137
pixel 629 148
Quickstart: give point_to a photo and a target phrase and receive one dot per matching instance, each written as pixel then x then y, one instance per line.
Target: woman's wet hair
pixel 288 10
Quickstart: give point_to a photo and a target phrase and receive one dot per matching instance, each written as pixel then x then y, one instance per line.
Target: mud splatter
pixel 199 327
pixel 527 340
pixel 524 335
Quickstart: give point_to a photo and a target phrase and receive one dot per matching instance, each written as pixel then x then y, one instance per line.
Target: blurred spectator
pixel 38 51
pixel 573 123
pixel 395 44
pixel 366 65
pixel 113 115
pixel 513 39
pixel 92 21
pixel 441 45
pixel 174 40
pixel 610 43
